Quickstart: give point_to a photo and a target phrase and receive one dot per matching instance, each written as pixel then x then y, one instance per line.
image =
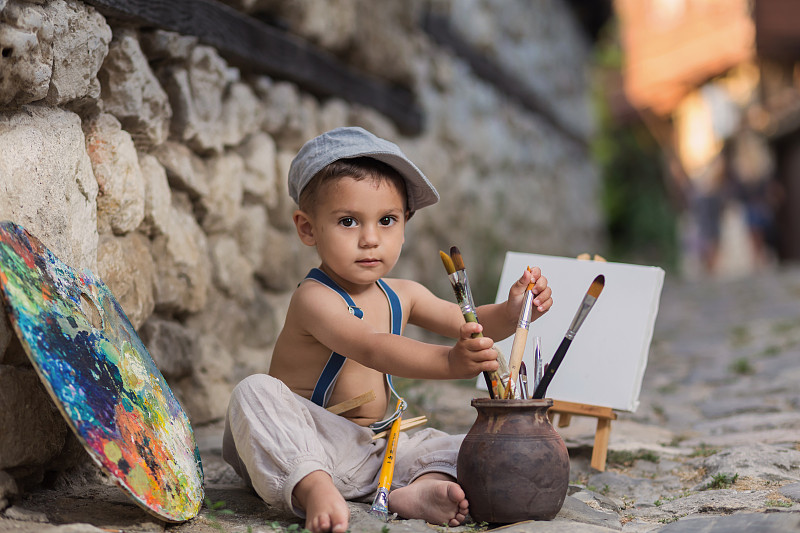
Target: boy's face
pixel 358 228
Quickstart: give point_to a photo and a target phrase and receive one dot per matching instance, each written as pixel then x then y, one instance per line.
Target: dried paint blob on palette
pixel 101 377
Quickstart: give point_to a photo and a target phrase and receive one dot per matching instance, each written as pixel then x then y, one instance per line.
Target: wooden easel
pixel 604 416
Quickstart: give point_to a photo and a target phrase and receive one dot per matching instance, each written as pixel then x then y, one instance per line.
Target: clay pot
pixel 513 465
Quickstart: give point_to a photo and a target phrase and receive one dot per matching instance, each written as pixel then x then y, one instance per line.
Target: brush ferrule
pixel 580 316
pixel 525 312
pixel 460 283
pixel 380 506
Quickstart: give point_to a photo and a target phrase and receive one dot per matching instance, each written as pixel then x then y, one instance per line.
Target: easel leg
pixel 600 450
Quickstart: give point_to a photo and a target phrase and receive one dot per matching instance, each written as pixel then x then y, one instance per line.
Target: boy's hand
pixel 542 294
pixel 469 357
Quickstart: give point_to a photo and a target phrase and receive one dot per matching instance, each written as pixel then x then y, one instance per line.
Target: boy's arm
pixel 327 320
pixel 498 320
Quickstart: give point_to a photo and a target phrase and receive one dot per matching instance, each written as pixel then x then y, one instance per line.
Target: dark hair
pixel 358 168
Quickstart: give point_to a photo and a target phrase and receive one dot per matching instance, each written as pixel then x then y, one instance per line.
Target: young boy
pixel 356 193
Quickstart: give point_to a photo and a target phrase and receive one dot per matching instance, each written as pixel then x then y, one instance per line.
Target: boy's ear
pixel 305 228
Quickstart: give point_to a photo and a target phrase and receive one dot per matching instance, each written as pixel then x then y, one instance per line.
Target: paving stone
pixel 738 523
pixel 791 491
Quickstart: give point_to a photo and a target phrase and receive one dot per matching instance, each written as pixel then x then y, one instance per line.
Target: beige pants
pixel 274 438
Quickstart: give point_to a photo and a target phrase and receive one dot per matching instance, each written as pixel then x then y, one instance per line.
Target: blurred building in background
pixel 717 84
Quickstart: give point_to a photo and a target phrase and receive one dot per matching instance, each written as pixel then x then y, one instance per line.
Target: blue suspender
pixel 324 385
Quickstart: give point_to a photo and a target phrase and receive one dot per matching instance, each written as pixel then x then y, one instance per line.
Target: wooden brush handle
pixel 515 359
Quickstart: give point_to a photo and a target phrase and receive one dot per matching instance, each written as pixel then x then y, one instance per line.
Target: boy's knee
pixel 256 386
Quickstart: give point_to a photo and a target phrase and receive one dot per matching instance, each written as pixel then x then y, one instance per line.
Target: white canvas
pixel 606 361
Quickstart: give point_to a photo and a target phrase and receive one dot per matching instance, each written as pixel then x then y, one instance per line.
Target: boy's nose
pixel 369 238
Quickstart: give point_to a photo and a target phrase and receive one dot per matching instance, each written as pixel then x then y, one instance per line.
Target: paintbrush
pixel 523 381
pixel 538 369
pixel 380 505
pixel 520 338
pixel 501 374
pixel 458 280
pixel 586 305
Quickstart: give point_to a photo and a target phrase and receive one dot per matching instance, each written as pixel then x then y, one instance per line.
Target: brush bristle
pixel 597 286
pixel 458 261
pixel 448 263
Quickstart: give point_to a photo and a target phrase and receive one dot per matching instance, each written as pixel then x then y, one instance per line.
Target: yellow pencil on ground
pixel 380 506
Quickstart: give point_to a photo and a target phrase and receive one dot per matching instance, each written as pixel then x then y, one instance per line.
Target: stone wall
pixel 144 156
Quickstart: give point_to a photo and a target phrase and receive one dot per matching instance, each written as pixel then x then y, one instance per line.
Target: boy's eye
pixel 347 222
pixel 387 221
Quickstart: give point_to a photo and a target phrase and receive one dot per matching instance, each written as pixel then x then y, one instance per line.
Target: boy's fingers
pixel 469 329
pixel 543 299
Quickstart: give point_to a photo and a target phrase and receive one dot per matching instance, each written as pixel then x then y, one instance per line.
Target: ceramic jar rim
pixel 511 403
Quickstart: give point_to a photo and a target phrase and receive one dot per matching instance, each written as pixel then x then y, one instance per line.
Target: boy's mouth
pixel 368 261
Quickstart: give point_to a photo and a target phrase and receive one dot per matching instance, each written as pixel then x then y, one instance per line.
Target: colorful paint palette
pixel 101 377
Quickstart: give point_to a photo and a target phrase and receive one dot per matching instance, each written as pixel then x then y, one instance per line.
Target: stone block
pixel 131 91
pixel 207 391
pixel 286 260
pixel 171 345
pixel 279 99
pixel 185 171
pixel 120 198
pixel 126 266
pixel 259 155
pixel 182 265
pixel 232 272
pixel 250 233
pixel 8 489
pixel 48 184
pixel 157 195
pixel 196 95
pixel 757 460
pixel 26 36
pixel 80 44
pixel 219 209
pixel 167 45
pixel 33 429
pixel 241 114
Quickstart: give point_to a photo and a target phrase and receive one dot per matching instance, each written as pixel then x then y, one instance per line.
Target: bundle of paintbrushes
pixel 457 273
pixel 543 375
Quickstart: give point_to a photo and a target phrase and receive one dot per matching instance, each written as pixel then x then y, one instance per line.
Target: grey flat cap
pixel 346 143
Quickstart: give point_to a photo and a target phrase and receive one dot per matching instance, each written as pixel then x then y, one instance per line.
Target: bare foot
pixel 434 497
pixel 325 507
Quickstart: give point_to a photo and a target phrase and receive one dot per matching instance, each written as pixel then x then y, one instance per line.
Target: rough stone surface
pixel 126 266
pixel 120 198
pixel 47 182
pixel 33 430
pixel 232 273
pixel 167 45
pixel 181 258
pixel 171 345
pixel 157 196
pixel 80 44
pixel 131 91
pixel 260 173
pixel 8 489
pixel 26 35
pixel 220 207
pixel 196 95
pixel 212 366
pixel 791 491
pixel 185 170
